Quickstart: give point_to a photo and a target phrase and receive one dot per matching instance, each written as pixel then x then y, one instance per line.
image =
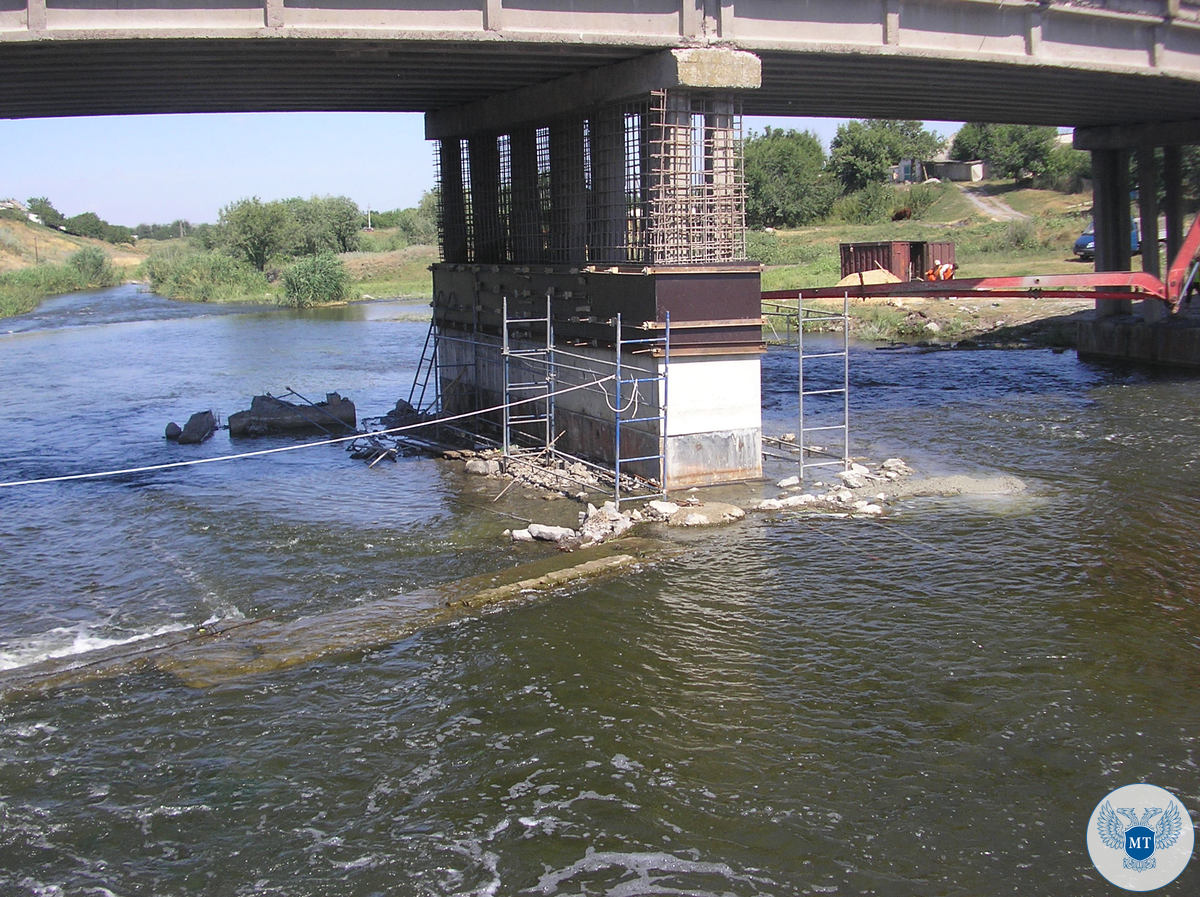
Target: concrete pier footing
pixel 1173 342
pixel 691 393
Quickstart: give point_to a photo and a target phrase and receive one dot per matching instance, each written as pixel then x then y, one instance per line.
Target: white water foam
pixel 66 641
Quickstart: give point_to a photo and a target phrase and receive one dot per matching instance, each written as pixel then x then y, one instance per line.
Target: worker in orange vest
pixel 941 271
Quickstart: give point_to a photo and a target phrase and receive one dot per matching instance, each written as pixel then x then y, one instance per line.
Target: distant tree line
pixel 298 240
pixel 86 224
pixel 791 181
pixel 258 231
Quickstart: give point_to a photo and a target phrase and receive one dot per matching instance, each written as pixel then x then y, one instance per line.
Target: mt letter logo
pixel 1134 828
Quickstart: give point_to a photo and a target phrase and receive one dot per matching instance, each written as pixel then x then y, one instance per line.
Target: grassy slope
pixel 24 244
pixel 397 274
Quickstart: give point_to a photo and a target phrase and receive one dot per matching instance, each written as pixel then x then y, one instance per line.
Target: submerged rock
pixel 709 513
pixel 543 533
pixel 269 416
pixel 483 467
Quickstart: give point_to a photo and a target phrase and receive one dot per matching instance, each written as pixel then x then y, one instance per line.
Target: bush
pixel 94 267
pixel 921 198
pixel 178 272
pixel 314 280
pixel 1067 170
pixel 870 205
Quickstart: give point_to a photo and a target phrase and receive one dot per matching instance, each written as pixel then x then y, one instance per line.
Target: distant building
pixel 954 170
pixel 907 171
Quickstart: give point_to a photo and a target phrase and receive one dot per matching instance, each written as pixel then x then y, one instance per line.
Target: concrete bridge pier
pixel 1119 331
pixel 617 191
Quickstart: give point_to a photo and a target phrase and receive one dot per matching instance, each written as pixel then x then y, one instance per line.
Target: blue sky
pixel 156 168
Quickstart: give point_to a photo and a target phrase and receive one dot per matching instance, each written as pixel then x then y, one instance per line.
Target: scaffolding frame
pixel 654 347
pixel 818 317
pixel 799 318
pixel 526 360
pixel 533 372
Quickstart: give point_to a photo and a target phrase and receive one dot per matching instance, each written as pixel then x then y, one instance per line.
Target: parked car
pixel 1085 246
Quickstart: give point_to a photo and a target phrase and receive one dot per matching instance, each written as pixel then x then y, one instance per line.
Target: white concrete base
pixel 713 406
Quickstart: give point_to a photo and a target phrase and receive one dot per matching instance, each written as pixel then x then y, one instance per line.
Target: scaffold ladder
pixel 629 381
pixel 534 366
pixel 816 409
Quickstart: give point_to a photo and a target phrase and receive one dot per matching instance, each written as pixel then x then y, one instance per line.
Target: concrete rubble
pixel 858 491
pixel 269 416
pixel 554 478
pixel 198 428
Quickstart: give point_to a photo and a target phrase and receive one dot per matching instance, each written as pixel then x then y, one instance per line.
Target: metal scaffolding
pixel 533 369
pixel 629 384
pixel 824 407
pixel 833 388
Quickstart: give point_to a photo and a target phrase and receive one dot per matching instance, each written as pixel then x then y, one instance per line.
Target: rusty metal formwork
pixel 652 181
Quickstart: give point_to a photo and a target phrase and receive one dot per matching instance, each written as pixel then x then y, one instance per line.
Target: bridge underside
pixel 149 74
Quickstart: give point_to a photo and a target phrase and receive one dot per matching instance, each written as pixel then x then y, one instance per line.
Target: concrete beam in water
pixel 201 659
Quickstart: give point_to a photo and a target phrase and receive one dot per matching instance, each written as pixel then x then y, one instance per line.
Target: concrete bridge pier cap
pixel 616 191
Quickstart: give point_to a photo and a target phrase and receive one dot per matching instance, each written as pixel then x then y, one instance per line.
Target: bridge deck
pixel 1054 62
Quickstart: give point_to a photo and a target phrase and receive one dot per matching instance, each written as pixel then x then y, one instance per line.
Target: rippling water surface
pixel 932 703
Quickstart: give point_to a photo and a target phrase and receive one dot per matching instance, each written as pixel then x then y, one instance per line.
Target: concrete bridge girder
pixel 1034 61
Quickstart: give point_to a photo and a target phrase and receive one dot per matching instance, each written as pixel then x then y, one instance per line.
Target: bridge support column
pixel 615 192
pixel 1153 337
pixel 1148 225
pixel 1110 217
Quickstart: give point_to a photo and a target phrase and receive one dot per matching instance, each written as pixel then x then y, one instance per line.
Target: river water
pixel 930 704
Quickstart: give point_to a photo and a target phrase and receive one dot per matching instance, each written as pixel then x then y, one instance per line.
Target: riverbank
pixel 966 322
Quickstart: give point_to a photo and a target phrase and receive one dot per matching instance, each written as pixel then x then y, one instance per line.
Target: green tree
pixel 862 152
pixel 257 231
pixel 311 231
pixel 86 224
pixel 786 184
pixel 41 206
pixel 1012 151
pixel 344 219
pixel 325 224
pixel 416 224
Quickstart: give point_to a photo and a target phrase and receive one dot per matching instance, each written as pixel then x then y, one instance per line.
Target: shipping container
pixel 907 259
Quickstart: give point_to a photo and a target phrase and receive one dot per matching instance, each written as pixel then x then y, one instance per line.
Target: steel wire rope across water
pixel 291 448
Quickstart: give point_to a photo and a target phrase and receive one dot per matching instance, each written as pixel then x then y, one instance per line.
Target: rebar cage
pixel 653 181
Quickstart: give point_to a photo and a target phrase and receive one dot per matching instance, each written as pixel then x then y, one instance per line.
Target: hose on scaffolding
pixel 292 448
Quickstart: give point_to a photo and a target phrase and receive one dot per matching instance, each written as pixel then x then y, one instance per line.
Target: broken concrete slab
pixel 269 416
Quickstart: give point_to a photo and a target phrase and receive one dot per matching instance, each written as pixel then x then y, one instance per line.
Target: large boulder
pixel 198 428
pixel 269 416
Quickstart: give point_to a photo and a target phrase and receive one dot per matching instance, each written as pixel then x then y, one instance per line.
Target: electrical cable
pixel 292 448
